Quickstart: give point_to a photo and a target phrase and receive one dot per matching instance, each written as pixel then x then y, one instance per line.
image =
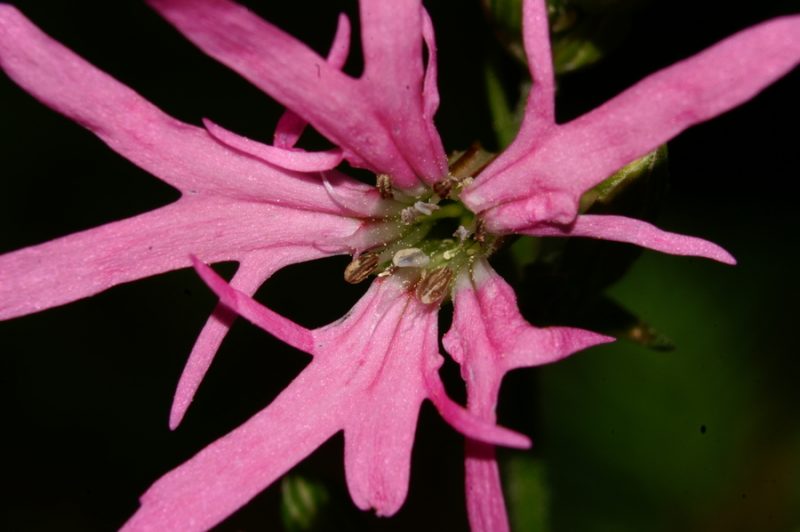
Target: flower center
pixel 438 236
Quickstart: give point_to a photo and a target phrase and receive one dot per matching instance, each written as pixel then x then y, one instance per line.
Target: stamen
pixel 411 258
pixel 443 188
pixel 462 233
pixel 433 287
pixel 385 186
pixel 361 267
pixel 425 208
pixel 408 215
pixel 480 234
pixel 388 271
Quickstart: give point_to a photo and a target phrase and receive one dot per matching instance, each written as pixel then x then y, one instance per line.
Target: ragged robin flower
pixel 421 236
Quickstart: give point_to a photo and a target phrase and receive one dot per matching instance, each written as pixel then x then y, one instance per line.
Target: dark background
pixel 702 438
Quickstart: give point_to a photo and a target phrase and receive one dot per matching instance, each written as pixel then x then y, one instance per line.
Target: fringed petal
pixel 392 36
pixel 339 107
pixel 570 159
pixel 281 328
pixel 488 338
pixel 181 155
pixel 85 263
pixel 224 476
pixel 486 507
pixel 253 271
pixel 633 231
pixel 289 159
pixel 290 126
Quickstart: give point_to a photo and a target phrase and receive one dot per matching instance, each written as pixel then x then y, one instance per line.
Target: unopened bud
pixel 433 287
pixel 360 268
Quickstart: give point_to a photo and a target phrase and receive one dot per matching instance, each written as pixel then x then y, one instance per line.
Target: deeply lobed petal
pixel 79 265
pixel 357 115
pixel 392 37
pixel 488 338
pixel 252 272
pixel 231 201
pixel 182 155
pixel 291 126
pixel 539 116
pixel 287 158
pixel 633 231
pixel 368 377
pixel 225 475
pixel 486 507
pixel 576 156
pixel 490 335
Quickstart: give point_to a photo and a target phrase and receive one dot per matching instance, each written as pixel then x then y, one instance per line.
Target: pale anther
pixel 411 258
pixel 425 208
pixel 462 233
pixel 408 215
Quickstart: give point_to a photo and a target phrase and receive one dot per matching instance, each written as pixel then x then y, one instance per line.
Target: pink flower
pixel 267 206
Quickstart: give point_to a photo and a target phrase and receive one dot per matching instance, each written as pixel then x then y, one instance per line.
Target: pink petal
pixel 79 265
pixel 253 271
pixel 539 117
pixel 245 306
pixel 289 159
pixel 485 505
pixel 362 201
pixel 338 106
pixel 224 476
pixel 430 89
pixel 630 230
pixel 468 424
pixel 392 38
pixel 366 377
pixel 379 434
pixel 290 126
pixel 574 157
pixel 540 108
pixel 489 337
pixel 182 155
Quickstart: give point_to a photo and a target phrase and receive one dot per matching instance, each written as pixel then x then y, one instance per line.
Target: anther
pixel 411 258
pixel 361 267
pixel 480 230
pixel 443 187
pixel 425 208
pixel 388 271
pixel 433 287
pixel 384 183
pixel 462 233
pixel 408 215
